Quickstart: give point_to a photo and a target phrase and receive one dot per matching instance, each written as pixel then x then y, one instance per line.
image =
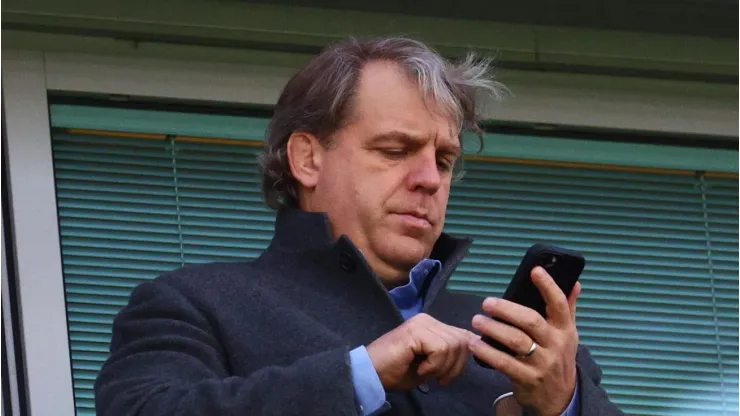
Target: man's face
pixel 385 180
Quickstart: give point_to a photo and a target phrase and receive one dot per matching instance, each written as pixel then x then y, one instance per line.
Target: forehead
pixel 387 99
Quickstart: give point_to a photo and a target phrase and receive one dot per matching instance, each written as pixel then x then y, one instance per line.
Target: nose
pixel 424 173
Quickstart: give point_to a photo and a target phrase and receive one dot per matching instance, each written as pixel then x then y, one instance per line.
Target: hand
pixel 419 349
pixel 543 382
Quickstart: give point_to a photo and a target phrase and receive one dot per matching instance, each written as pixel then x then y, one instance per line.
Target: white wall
pixel 542 98
pixel 166 31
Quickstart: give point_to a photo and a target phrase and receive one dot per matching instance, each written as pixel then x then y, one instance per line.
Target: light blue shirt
pixel 368 388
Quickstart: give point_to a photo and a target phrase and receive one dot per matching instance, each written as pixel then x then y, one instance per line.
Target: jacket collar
pixel 298 231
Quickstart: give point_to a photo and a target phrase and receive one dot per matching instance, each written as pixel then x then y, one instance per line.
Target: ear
pixel 304 157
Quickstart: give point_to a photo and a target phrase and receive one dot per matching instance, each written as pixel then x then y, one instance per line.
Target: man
pixel 346 312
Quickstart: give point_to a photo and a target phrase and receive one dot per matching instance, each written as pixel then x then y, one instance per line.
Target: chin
pixel 404 250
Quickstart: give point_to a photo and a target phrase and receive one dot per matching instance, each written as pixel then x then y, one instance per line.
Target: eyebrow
pixel 403 137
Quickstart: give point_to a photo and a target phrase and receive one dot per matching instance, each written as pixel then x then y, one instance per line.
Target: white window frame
pixel 36 237
pixel 29 76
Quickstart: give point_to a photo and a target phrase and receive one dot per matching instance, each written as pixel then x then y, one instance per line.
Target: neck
pixel 391 276
pixel 393 283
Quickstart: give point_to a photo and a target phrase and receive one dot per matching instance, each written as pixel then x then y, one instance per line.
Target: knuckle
pixel 522 341
pixel 420 319
pixel 461 343
pixel 451 343
pixel 438 344
pixel 425 319
pixel 534 323
pixel 409 329
pixel 568 337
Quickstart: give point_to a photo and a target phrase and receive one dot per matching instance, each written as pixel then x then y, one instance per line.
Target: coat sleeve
pixel 594 400
pixel 165 360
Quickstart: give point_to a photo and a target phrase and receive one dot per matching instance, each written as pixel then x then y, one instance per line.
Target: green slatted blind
pixel 722 221
pixel 649 300
pixel 130 209
pixel 118 224
pixel 221 209
pixel 659 307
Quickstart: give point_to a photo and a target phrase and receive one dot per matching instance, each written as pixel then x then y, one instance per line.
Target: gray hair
pixel 317 99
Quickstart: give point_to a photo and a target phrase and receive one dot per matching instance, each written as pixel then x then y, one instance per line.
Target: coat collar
pixel 298 231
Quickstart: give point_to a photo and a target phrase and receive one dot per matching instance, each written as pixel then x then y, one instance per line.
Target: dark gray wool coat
pixel 272 336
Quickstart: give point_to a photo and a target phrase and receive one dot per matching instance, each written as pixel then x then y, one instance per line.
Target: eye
pixel 445 165
pixel 394 153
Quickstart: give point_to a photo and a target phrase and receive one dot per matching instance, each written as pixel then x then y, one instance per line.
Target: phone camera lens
pixel 550 262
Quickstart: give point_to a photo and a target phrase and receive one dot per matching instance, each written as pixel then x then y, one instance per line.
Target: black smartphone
pixel 565 267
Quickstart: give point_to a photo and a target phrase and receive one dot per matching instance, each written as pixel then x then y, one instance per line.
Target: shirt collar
pixel 408 294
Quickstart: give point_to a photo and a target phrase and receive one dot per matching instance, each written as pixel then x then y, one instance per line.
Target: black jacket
pixel 272 336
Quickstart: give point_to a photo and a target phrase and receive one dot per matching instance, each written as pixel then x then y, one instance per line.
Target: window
pixel 659 309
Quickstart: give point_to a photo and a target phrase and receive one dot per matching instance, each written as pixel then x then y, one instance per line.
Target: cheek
pixel 353 190
pixel 370 198
pixel 377 186
pixel 337 173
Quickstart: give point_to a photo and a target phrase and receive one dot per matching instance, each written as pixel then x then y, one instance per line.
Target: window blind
pixel 119 226
pixel 660 321
pixel 659 309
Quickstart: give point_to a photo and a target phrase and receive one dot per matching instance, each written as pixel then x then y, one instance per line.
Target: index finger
pixel 558 310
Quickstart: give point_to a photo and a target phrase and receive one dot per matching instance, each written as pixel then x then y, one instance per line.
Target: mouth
pixel 415 219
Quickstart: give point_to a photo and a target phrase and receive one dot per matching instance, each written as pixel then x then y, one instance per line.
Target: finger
pixel 521 317
pixel 557 304
pixel 461 352
pixel 459 356
pixel 430 365
pixel 572 298
pixel 451 338
pixel 470 336
pixel 452 372
pixel 426 367
pixel 517 371
pixel 435 348
pixel 424 344
pixel 456 369
pixel 513 338
pixel 465 337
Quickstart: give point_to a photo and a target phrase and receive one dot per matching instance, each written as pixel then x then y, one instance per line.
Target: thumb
pixel 572 298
